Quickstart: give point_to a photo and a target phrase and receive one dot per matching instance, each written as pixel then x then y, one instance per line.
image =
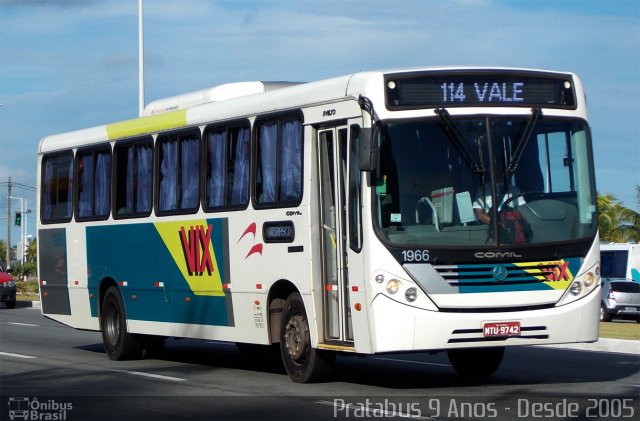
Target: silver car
pixel 620 298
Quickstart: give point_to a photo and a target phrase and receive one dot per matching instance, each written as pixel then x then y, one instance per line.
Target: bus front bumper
pixel 397 327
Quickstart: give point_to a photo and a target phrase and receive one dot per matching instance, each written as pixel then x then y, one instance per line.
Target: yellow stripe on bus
pixel 150 124
pixel 200 283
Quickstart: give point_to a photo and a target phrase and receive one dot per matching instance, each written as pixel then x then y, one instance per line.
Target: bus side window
pixel 133 163
pixel 57 192
pixel 227 167
pixel 279 163
pixel 93 181
pixel 179 173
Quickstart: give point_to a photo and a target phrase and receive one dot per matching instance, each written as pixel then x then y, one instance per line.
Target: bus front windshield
pixel 484 181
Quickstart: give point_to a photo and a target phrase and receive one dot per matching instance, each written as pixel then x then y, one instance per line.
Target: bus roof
pixel 242 99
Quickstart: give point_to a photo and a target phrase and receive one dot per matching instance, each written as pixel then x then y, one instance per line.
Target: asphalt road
pixel 50 371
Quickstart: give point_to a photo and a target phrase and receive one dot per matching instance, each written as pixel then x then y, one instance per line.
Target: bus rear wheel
pixel 303 363
pixel 476 362
pixel 118 343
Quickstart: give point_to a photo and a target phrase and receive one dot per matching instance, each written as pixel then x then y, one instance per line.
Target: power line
pixel 19 185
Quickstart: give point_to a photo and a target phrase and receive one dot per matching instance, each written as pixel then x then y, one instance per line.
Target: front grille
pixel 508 274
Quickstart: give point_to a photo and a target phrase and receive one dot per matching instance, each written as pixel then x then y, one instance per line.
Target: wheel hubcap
pixel 295 338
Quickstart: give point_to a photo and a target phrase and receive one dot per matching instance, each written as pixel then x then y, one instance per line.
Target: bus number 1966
pixel 415 255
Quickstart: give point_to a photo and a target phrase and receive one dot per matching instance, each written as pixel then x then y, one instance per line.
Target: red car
pixel 7 289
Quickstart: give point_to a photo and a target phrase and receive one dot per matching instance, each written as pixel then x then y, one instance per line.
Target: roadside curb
pixel 619 346
pixel 26 304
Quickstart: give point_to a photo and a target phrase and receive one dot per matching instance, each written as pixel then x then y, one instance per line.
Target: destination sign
pixel 411 91
pixel 278 232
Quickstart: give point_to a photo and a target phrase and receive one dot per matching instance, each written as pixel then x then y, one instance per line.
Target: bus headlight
pixel 379 279
pixel 589 279
pixel 581 286
pixel 576 288
pixel 411 294
pixel 393 286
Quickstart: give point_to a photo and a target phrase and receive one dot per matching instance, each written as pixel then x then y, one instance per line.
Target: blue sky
pixel 71 64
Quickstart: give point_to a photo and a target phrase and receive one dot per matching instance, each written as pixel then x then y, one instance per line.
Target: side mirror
pixel 367 149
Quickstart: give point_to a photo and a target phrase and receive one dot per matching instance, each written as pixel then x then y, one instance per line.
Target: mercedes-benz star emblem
pixel 500 273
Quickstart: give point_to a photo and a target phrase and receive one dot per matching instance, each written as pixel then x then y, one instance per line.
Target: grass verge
pixel 620 330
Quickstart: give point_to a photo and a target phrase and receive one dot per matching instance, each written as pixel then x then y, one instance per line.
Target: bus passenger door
pixel 333 147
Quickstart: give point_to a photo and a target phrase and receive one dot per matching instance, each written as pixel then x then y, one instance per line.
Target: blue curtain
pixel 240 186
pixel 189 179
pixel 168 175
pixel 68 205
pixel 144 177
pixel 102 183
pixel 290 177
pixel 129 180
pixel 85 188
pixel 48 189
pixel 268 141
pixel 215 178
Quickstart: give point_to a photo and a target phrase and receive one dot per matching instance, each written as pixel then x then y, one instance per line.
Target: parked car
pixel 620 298
pixel 7 288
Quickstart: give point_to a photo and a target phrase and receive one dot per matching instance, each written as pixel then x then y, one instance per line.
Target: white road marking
pixel 8 354
pixel 153 376
pixel 22 324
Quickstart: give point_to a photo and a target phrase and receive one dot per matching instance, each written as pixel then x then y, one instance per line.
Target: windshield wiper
pixel 458 140
pixel 536 114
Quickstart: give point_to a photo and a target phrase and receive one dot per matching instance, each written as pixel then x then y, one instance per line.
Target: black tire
pixel 477 362
pixel 118 343
pixel 604 314
pixel 10 304
pixel 303 363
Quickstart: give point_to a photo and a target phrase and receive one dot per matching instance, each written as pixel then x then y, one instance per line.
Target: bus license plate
pixel 501 329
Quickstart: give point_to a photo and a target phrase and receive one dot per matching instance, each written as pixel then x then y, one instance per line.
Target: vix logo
pixel 195 246
pixel 560 272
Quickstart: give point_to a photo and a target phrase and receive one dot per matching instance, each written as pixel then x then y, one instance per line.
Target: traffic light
pixel 18 220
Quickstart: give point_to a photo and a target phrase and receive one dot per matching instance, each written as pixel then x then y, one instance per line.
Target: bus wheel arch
pixel 278 294
pixel 104 286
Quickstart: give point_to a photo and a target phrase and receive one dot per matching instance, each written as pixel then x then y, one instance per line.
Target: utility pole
pixel 140 60
pixel 8 262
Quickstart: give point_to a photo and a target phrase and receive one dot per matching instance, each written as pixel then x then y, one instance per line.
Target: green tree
pixel 617 223
pixel 3 251
pixel 32 252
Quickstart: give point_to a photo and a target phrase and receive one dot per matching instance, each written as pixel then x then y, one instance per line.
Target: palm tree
pixel 617 223
pixel 32 251
pixel 3 250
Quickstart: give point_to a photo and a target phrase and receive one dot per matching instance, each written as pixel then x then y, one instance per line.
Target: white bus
pixel 349 215
pixel 620 261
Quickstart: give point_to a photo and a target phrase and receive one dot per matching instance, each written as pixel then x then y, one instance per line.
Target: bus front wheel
pixel 118 343
pixel 476 362
pixel 302 362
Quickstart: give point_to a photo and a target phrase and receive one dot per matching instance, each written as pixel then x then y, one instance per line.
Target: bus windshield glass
pixel 484 181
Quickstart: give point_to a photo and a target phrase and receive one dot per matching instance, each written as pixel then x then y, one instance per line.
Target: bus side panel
pixel 52 253
pixel 173 272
